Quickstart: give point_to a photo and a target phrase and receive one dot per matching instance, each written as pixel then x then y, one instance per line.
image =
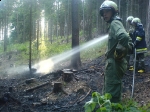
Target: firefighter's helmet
pixel 136 21
pixel 130 18
pixel 108 5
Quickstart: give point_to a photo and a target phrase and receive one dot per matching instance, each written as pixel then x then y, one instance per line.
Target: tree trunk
pixel 83 19
pixel 30 49
pixel 17 29
pixel 24 37
pixel 68 15
pixel 38 35
pixel 148 27
pixel 76 62
pixel 131 6
pixel 51 30
pixel 89 20
pixel 2 29
pixel 5 28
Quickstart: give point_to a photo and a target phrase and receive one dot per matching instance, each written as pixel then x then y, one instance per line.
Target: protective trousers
pixel 140 61
pixel 114 71
pixel 128 59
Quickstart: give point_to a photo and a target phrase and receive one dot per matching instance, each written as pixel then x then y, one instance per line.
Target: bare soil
pixel 29 92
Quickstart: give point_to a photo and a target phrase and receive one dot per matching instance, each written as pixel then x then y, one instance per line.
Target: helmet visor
pixel 102 9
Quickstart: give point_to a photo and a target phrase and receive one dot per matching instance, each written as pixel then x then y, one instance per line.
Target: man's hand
pixel 119 52
pixel 118 55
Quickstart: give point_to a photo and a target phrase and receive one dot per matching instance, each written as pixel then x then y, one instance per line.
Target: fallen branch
pixel 84 96
pixel 31 89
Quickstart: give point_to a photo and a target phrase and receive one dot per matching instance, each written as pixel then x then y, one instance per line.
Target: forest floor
pixel 29 92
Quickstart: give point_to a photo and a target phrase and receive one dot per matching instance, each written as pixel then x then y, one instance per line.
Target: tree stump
pixel 57 87
pixel 67 76
pixel 74 71
pixel 66 70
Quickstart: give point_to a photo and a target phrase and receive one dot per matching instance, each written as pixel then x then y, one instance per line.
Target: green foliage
pixel 19 47
pixel 101 103
pixel 145 108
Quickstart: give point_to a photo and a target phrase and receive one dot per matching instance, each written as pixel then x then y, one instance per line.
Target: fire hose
pixel 134 67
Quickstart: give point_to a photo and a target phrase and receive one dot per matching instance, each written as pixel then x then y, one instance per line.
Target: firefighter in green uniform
pixel 139 44
pixel 116 64
pixel 130 32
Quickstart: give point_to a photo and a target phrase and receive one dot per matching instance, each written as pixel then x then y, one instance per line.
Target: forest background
pixel 38 29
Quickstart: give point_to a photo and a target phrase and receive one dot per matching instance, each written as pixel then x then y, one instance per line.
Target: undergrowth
pixel 102 103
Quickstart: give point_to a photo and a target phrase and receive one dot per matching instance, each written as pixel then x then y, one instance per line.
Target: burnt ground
pixel 19 94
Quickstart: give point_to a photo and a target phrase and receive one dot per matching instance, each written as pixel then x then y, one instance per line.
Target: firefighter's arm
pixel 122 38
pixel 130 45
pixel 131 32
pixel 140 34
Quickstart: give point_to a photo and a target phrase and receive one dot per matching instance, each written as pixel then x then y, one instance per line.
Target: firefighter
pixel 130 32
pixel 139 44
pixel 116 64
pixel 131 29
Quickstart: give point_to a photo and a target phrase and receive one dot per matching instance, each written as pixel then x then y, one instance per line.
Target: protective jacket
pixel 117 49
pixel 139 39
pixel 117 40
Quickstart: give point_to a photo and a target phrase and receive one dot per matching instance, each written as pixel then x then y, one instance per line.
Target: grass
pixel 46 50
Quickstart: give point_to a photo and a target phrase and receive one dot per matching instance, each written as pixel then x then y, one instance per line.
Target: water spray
pixel 51 64
pixel 48 65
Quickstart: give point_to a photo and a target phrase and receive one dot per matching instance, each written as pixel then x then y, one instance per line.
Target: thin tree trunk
pixel 51 31
pixel 2 29
pixel 83 19
pixel 127 13
pixel 76 62
pixel 148 26
pixel 97 18
pixel 38 35
pixel 131 7
pixel 30 49
pixel 68 23
pixel 24 37
pixel 40 30
pixel 17 29
pixel 5 29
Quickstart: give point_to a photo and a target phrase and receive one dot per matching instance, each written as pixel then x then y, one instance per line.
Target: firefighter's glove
pixel 131 47
pixel 118 55
pixel 134 44
pixel 131 35
pixel 119 52
pixel 131 32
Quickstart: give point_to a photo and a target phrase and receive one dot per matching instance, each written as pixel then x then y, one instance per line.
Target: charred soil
pixel 33 93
